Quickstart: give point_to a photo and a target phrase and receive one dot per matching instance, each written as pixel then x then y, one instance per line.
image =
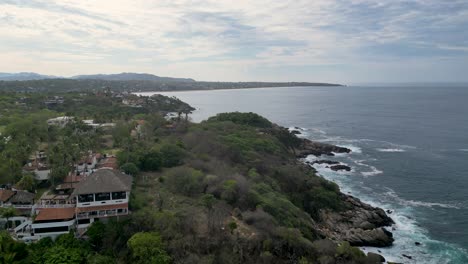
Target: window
pixel 85 198
pixel 84 221
pixel 119 195
pixel 110 212
pixel 51 229
pixel 102 196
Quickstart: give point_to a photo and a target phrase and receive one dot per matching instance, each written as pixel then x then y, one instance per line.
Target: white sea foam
pixel 390 150
pixel 354 149
pixel 406 230
pixel 374 171
pixel 464 150
pixel 391 193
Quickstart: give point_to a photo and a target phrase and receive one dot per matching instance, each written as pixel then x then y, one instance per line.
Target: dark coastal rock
pixel 361 225
pixel 295 132
pixel 317 149
pixel 407 256
pixel 374 258
pixel 340 167
pixel 329 162
pixel 417 243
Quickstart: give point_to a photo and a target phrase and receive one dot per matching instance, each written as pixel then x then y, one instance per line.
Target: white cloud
pixel 226 40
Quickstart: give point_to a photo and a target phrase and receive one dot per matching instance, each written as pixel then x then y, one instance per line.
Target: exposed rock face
pixel 361 225
pixel 375 258
pixel 340 167
pixel 329 162
pixel 317 149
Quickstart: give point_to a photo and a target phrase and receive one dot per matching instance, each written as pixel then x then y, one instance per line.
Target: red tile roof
pixel 55 214
pixel 73 178
pixel 110 162
pixel 6 194
pixel 102 207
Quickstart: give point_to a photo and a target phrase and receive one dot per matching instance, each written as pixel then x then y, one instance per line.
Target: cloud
pixel 232 40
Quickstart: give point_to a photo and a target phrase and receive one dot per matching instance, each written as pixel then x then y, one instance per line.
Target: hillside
pixel 23 76
pixel 228 190
pixel 130 82
pixel 128 76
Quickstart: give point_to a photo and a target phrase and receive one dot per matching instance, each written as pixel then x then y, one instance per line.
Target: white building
pixel 60 121
pixel 103 194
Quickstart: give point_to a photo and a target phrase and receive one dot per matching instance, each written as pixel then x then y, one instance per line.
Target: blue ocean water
pixel 410 152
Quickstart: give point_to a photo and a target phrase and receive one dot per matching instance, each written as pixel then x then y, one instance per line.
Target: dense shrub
pixel 172 155
pixel 130 168
pixel 250 119
pixel 151 161
pixel 185 180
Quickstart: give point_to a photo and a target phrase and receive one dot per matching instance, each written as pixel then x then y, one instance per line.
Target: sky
pixel 344 41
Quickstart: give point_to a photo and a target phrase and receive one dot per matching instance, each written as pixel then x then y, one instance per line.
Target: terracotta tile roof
pixel 6 194
pixel 73 178
pixel 110 162
pixel 55 214
pixel 101 207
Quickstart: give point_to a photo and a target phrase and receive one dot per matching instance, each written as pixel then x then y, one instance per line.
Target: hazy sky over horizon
pixel 300 40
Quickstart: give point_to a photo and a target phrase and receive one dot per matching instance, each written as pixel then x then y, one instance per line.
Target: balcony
pixel 55 205
pixel 99 214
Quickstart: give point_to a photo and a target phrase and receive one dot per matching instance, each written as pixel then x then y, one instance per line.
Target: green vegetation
pixel 227 190
pixel 73 85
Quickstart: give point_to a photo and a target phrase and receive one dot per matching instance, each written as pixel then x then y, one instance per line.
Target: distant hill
pixel 130 82
pixel 129 76
pixel 24 76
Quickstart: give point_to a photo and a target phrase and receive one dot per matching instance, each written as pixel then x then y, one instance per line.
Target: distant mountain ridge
pixel 126 81
pixel 24 76
pixel 130 76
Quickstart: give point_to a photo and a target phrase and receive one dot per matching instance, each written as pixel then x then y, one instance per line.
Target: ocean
pixel 410 152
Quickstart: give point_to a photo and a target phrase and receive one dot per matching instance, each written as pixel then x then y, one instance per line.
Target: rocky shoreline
pixel 359 224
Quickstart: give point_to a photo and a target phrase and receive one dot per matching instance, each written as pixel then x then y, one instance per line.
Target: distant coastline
pixel 129 82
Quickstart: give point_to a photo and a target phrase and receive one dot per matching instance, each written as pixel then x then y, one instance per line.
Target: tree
pixel 152 161
pixel 172 155
pixel 185 180
pixel 96 233
pixel 62 255
pixel 27 183
pixel 147 247
pixel 10 250
pixel 130 168
pixel 7 212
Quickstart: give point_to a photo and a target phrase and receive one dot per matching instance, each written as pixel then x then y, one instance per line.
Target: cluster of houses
pixel 103 194
pixel 54 101
pixel 94 191
pixel 62 121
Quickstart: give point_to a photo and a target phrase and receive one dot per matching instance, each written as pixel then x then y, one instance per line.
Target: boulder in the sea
pixel 308 147
pixel 417 243
pixel 340 167
pixel 374 258
pixel 407 256
pixel 329 162
pixel 295 132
